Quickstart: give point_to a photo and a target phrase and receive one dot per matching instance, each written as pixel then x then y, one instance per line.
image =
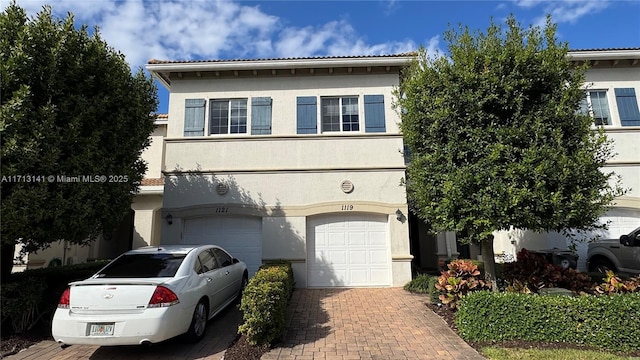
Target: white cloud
pixel 564 11
pixel 186 30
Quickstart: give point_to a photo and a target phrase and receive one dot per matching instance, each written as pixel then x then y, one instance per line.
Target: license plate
pixel 101 329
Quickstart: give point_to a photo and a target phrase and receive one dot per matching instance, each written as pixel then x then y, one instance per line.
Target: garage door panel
pixel 240 236
pixel 357 239
pixel 338 258
pixel 351 250
pixel 358 257
pixel 336 239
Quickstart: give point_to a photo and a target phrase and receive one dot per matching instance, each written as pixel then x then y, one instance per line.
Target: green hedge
pixel 606 322
pixel 264 303
pixel 32 295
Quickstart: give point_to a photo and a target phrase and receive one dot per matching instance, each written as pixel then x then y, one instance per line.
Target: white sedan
pixel 149 295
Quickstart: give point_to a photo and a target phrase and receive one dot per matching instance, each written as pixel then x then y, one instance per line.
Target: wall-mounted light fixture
pixel 169 219
pixel 399 215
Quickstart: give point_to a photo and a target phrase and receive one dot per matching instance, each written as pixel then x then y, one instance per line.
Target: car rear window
pixel 143 266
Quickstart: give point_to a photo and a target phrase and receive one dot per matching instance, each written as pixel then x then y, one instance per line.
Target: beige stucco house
pixel 298 159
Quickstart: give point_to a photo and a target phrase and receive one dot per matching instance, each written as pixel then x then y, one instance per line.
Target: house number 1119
pixel 347 207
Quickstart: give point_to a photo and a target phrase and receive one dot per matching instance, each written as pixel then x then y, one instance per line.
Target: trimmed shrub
pixel 264 303
pixel 606 322
pixel 462 278
pixel 419 285
pixel 32 295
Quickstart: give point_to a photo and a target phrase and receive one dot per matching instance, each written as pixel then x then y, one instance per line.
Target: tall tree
pixel 70 106
pixel 496 140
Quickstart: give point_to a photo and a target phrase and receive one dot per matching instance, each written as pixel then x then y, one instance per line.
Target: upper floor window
pixel 340 114
pixel 595 104
pixel 228 116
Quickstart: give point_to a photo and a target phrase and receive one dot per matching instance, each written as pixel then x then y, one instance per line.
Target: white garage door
pixel 240 236
pixel 348 250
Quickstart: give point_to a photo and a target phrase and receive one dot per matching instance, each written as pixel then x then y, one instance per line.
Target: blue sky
pixel 204 29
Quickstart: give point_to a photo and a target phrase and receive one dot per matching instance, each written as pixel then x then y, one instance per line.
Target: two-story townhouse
pixel 297 159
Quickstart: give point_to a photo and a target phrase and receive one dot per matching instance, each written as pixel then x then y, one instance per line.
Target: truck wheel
pixel 601 266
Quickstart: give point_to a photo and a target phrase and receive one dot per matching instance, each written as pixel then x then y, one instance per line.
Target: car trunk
pixel 106 296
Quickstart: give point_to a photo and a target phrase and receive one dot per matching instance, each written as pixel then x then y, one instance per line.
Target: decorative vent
pixel 347 186
pixel 222 188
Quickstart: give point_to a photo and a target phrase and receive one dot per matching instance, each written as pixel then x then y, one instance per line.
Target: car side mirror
pixel 625 240
pixel 235 261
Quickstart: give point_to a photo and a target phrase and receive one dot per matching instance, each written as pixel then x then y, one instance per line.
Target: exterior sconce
pixel 169 219
pixel 399 215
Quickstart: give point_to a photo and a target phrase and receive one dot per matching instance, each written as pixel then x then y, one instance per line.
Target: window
pixel 207 261
pixel 228 116
pixel 595 104
pixel 143 266
pixel 340 114
pixel 223 257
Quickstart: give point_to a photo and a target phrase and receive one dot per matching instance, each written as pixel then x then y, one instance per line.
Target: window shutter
pixel 194 117
pixel 260 116
pixel 374 120
pixel 628 107
pixel 307 115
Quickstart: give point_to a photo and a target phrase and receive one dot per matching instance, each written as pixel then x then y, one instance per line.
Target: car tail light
pixel 64 299
pixel 163 297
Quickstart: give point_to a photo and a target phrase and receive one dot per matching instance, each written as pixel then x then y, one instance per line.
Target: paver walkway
pixel 354 324
pixel 220 333
pixel 388 324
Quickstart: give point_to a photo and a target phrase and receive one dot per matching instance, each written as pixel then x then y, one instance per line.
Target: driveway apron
pixel 366 323
pixel 221 331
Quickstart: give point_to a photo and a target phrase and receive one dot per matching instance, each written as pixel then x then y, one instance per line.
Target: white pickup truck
pixel 621 255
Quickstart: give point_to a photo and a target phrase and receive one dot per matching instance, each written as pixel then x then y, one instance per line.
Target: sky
pixel 206 29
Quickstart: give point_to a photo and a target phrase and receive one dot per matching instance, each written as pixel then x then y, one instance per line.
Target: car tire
pixel 198 326
pixel 243 285
pixel 601 266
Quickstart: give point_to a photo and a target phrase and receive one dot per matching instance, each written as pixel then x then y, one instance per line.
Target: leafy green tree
pixel 70 106
pixel 496 140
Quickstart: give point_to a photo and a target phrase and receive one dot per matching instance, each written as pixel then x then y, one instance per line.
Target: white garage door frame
pixel 241 236
pixel 348 250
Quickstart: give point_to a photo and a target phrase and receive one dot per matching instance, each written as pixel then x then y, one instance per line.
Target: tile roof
pixel 155 61
pixel 152 182
pixel 162 116
pixel 605 49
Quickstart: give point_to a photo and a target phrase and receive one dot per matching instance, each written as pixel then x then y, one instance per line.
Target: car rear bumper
pixel 150 326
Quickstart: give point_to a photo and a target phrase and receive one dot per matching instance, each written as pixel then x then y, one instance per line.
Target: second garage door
pixel 240 236
pixel 351 250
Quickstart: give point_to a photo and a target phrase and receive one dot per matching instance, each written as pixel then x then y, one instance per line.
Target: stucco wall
pixel 283 91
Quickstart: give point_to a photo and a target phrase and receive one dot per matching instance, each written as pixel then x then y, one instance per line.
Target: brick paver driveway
pixel 388 324
pixel 220 333
pixel 366 324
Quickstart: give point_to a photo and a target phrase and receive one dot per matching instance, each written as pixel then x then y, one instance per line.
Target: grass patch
pixel 498 353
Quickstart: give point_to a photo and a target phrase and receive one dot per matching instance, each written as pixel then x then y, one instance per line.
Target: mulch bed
pixel 241 350
pixel 14 343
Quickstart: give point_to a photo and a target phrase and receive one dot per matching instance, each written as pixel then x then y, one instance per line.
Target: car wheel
pixel 602 266
pixel 198 322
pixel 245 281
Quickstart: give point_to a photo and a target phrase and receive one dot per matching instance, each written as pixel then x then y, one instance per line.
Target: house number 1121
pixel 347 207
